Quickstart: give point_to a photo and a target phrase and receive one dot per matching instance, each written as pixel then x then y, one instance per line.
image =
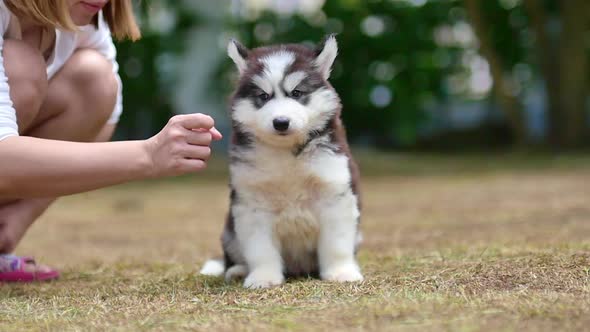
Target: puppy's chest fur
pixel 294 190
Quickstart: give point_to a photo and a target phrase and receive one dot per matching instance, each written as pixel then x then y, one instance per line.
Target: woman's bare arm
pixel 32 167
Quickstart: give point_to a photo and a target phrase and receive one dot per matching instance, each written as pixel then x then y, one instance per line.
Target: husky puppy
pixel 294 207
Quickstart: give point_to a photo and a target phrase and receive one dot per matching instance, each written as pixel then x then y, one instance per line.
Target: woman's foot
pixel 24 269
pixel 15 218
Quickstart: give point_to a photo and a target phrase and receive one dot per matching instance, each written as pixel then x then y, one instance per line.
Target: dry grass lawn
pixel 451 243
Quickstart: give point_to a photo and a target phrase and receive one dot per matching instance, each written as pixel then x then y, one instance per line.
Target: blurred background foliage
pixel 412 74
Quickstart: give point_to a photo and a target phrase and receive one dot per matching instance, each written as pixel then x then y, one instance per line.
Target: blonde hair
pixel 55 13
pixel 121 19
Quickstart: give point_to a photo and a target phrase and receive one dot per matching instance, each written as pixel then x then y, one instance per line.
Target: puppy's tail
pixel 213 267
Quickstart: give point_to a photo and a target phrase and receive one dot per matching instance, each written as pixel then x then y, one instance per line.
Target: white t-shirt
pixel 66 43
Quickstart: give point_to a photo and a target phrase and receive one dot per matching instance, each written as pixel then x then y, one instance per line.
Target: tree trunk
pixel 503 82
pixel 573 66
pixel 547 49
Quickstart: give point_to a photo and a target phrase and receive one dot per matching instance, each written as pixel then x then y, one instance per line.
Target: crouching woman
pixel 60 100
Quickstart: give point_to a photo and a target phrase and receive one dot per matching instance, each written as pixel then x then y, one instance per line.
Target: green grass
pixel 466 243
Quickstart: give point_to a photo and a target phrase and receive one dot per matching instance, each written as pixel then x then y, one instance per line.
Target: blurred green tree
pixel 147 98
pixel 560 31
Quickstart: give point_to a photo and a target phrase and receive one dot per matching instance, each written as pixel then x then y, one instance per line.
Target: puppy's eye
pixel 296 94
pixel 264 96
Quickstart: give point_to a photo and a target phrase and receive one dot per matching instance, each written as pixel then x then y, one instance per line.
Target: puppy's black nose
pixel 281 123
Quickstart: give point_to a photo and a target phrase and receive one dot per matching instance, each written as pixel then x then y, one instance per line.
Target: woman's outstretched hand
pixel 183 146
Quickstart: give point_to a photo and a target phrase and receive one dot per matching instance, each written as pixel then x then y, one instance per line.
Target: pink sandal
pixel 12 269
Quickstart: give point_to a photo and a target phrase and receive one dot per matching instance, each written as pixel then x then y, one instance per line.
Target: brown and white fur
pixel 295 207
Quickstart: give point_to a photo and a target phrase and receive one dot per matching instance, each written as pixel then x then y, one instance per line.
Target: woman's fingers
pixel 216 135
pixel 194 121
pixel 199 137
pixel 197 152
pixel 193 165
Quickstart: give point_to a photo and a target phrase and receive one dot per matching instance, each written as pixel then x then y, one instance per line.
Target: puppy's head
pixel 283 96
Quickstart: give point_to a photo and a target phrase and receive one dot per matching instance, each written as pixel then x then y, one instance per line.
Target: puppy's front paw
pixel 264 278
pixel 343 273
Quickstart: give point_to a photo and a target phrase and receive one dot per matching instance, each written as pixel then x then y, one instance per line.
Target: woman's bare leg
pixel 74 106
pixel 81 98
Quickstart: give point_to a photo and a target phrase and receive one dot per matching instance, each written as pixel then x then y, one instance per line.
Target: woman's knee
pixel 27 77
pixel 92 77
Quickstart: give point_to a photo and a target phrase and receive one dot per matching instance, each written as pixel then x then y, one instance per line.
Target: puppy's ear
pixel 238 53
pixel 326 53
